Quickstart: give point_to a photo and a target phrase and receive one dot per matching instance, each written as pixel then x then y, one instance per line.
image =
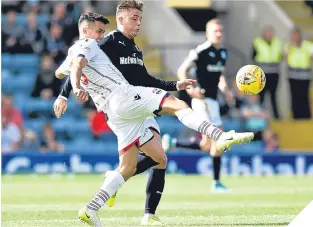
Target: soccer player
pixel 121 49
pixel 127 108
pixel 209 59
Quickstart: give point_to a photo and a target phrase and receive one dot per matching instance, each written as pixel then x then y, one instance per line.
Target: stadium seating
pixel 21 19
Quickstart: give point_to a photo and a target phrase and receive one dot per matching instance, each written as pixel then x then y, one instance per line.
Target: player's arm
pixel 223 87
pixel 150 81
pixel 64 69
pixel 182 73
pixel 189 62
pixel 83 54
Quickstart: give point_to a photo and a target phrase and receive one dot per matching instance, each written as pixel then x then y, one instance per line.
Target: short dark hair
pixel 92 17
pixel 129 4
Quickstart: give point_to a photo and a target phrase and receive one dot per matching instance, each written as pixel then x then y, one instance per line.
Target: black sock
pixel 192 145
pixel 154 190
pixel 143 163
pixel 216 168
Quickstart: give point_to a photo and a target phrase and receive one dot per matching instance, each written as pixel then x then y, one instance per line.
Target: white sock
pixel 193 120
pixel 111 184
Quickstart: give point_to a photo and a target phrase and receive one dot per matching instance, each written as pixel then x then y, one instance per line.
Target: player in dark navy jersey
pixel 209 59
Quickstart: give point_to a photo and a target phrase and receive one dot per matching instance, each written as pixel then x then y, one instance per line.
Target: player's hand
pixel 185 84
pixel 81 94
pixel 197 93
pixel 59 106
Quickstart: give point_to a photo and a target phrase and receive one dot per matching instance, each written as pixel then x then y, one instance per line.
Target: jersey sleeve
pixel 192 56
pixel 88 49
pixel 65 66
pixel 66 89
pixel 150 81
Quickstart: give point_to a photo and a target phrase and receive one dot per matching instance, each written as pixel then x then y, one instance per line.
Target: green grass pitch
pixel 46 201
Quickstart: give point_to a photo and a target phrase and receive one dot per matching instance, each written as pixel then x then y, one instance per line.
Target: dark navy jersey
pixel 128 59
pixel 210 65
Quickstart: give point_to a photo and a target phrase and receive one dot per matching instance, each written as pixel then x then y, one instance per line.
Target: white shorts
pixel 130 113
pixel 209 109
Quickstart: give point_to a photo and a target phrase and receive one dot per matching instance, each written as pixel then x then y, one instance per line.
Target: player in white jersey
pixel 127 108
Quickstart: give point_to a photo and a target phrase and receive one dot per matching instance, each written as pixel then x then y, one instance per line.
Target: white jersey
pixel 100 77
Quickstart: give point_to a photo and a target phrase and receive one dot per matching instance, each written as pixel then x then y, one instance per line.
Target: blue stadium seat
pixel 170 125
pixel 21 19
pixel 7 61
pixel 38 105
pixel 24 62
pixel 62 124
pixel 27 74
pixel 35 125
pixel 108 137
pixel 79 127
pixel 231 124
pixel 6 74
pixel 73 108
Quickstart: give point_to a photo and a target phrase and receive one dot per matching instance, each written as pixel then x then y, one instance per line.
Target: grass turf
pixel 31 201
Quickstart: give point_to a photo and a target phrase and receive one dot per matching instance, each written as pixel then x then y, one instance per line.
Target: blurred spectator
pixel 267 53
pixel 255 117
pixel 46 85
pixel 75 7
pixel 98 124
pixel 299 55
pixel 12 36
pixel 36 6
pixel 11 136
pixel 271 141
pixel 48 142
pixel 30 139
pixel 33 34
pixel 14 5
pixel 55 43
pixel 60 16
pixel 9 112
pixel 309 3
pixel 10 27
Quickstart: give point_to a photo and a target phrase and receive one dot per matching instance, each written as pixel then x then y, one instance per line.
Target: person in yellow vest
pixel 299 56
pixel 267 53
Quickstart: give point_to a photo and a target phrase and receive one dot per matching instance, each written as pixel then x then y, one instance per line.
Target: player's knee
pixel 180 105
pixel 162 162
pixel 127 170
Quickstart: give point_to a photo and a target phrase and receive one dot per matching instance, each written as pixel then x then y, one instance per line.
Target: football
pixel 250 79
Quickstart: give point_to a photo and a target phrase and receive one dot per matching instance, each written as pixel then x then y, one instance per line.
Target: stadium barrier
pixel 183 163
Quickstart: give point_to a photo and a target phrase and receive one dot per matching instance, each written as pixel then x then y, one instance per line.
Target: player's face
pixel 214 33
pixel 131 22
pixel 97 31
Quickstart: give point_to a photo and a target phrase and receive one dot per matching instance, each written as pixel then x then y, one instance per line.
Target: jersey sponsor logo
pixel 212 54
pixel 137 48
pixel 156 91
pixel 137 97
pixel 215 68
pixel 84 79
pixel 131 61
pixel 223 55
pixel 122 43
